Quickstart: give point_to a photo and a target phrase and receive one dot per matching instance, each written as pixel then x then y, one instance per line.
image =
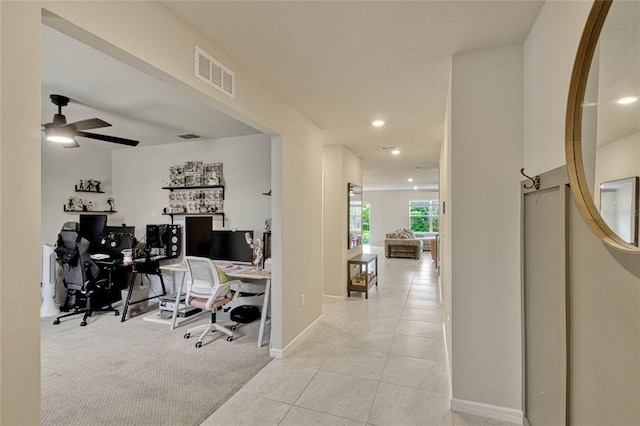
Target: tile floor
pixel 380 361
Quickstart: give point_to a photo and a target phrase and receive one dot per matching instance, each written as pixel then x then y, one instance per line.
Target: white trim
pixel 282 353
pixel 487 410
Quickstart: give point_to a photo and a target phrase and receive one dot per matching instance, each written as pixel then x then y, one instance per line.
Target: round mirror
pixel 603 124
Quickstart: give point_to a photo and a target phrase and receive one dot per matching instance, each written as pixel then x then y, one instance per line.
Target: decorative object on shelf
pixel 71 204
pixel 267 225
pixel 92 185
pixel 112 204
pixel 256 245
pixel 89 206
pixel 195 174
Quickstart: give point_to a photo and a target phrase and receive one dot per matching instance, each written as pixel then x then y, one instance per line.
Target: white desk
pixel 178 274
pixel 254 274
pixel 236 271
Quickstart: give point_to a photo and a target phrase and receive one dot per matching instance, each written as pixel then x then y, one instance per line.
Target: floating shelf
pixel 88 211
pixel 195 214
pixel 90 192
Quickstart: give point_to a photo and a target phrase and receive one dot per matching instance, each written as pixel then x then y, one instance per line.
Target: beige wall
pixel 146 36
pixel 604 286
pixel 339 167
pixel 484 209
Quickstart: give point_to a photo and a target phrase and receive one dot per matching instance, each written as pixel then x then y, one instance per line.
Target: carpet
pixel 139 372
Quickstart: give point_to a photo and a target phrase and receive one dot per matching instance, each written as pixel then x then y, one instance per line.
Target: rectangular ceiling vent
pixel 188 136
pixel 214 73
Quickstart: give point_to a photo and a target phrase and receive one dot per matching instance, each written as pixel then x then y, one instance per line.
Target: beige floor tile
pixel 423 315
pixel 370 322
pixel 280 381
pixel 356 362
pixel 425 295
pixel 368 340
pixel 416 373
pixel 420 329
pixel 430 305
pixel 310 354
pixel 400 405
pixel 418 347
pixel 234 412
pixel 340 395
pixel 299 416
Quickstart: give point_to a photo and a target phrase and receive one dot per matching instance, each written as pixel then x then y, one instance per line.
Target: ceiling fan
pixel 65 133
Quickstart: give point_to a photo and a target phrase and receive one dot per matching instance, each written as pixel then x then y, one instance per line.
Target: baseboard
pixel 282 353
pixel 487 410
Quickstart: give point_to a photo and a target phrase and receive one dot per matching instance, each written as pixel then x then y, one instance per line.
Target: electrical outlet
pixel 302 300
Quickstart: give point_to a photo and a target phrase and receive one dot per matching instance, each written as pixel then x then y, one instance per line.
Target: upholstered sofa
pixel 402 243
pixel 426 238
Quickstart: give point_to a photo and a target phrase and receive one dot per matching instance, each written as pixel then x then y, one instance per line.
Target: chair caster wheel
pixel 199 345
pixel 56 322
pixel 233 327
pixel 186 336
pixel 116 313
pixel 230 338
pixel 83 323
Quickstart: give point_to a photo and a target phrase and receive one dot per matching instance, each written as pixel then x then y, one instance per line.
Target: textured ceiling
pixel 341 63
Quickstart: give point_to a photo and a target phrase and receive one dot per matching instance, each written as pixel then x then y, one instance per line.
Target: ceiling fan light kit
pixel 59 131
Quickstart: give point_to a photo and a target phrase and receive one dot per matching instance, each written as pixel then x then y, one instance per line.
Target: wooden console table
pixel 366 276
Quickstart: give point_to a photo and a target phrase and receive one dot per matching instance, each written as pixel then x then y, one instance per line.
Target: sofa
pixel 402 243
pixel 426 238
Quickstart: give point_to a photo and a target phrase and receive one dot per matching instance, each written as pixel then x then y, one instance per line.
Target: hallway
pixel 380 361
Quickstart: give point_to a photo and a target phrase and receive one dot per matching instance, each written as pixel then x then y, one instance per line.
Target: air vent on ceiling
pixel 189 136
pixel 388 148
pixel 211 71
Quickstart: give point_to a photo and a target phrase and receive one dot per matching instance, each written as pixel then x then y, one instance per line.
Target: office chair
pixel 207 290
pixel 81 275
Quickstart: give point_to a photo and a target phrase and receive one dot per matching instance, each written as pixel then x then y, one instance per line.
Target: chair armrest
pixel 236 293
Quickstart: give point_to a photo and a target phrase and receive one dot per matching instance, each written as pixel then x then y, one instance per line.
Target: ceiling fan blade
pixel 91 123
pixel 73 144
pixel 107 138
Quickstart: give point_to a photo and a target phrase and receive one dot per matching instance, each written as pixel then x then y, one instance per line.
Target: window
pixel 366 231
pixel 424 215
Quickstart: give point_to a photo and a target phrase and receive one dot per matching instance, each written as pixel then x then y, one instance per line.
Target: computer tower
pixel 164 240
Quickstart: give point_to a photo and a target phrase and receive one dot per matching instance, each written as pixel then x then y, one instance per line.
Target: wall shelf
pixel 183 188
pixel 88 211
pixel 195 214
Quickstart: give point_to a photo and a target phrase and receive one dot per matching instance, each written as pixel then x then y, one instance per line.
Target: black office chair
pixel 85 288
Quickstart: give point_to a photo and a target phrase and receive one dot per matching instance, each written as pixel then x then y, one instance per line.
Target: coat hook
pixel 536 181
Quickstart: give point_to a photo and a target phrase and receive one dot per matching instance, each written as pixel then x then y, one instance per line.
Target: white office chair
pixel 209 290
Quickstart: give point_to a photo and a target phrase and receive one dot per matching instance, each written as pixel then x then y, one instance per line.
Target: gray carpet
pixel 139 372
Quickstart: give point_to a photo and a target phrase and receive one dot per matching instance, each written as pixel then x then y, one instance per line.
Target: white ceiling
pixel 341 63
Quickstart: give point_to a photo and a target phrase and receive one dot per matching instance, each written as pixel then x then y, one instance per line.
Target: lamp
pixel 256 245
pixel 59 134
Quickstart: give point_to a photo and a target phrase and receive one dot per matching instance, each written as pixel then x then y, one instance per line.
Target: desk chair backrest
pixel 73 254
pixel 206 290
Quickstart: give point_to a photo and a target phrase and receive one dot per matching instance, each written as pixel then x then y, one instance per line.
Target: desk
pixel 256 275
pixel 238 271
pixel 178 275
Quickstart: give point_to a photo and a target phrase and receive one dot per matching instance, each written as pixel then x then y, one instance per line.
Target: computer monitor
pixel 91 227
pixel 115 239
pixel 231 246
pixel 197 234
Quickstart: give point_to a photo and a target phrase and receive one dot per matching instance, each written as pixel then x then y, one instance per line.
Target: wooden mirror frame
pixel 573 136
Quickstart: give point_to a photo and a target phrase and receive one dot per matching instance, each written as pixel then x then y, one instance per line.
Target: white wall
pixel 486 154
pixel 390 211
pixel 340 167
pixel 550 50
pixel 62 169
pixel 139 175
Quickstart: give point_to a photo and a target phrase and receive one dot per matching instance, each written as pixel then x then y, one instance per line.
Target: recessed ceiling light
pixel 410 180
pixel 378 123
pixel 629 100
pixel 395 151
pixel 415 187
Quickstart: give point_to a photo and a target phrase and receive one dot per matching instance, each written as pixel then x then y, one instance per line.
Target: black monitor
pixel 231 246
pixel 197 234
pixel 91 227
pixel 115 239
